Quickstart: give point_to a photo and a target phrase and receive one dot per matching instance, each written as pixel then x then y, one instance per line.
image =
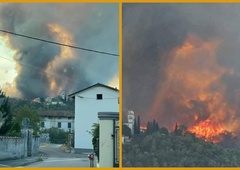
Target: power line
pixel 57 43
pixel 36 68
pixel 95 97
pixel 56 75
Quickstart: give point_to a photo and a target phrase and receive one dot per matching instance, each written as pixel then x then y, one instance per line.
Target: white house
pixel 88 102
pixel 59 119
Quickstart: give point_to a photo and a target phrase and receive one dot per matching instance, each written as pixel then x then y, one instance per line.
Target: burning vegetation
pixel 194 92
pixel 182 66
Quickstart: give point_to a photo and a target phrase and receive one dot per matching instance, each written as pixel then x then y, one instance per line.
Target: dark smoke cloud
pixel 152 30
pixel 93 26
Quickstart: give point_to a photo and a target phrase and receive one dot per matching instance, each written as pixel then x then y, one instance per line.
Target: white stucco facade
pixel 109 139
pixel 63 123
pixel 87 107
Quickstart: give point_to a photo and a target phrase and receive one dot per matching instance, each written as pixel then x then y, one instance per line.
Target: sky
pixel 30 68
pixel 181 63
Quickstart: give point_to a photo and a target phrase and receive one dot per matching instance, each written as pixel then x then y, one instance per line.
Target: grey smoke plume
pixel 150 31
pixel 93 26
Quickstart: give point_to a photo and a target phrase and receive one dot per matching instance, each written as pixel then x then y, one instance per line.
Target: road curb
pixel 29 162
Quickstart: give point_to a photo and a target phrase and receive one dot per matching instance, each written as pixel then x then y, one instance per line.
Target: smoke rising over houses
pixel 45 69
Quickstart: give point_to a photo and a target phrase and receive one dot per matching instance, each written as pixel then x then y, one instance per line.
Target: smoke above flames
pixel 181 65
pixel 45 69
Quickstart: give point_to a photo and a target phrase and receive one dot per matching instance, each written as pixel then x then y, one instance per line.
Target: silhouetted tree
pixel 164 131
pixel 138 124
pixel 135 127
pixel 152 127
pixel 126 131
pixel 7 114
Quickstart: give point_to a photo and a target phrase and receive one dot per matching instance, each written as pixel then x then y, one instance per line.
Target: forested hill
pixel 16 103
pixel 173 150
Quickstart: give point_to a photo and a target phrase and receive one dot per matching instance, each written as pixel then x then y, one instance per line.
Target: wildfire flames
pixel 208 130
pixel 192 93
pixel 143 127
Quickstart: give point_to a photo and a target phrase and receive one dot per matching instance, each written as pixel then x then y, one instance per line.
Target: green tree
pixel 30 113
pixel 174 150
pixel 6 114
pixel 95 138
pixel 164 131
pixel 15 130
pixel 56 135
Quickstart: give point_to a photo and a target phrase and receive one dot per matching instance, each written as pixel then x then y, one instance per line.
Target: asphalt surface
pixel 53 150
pixel 50 155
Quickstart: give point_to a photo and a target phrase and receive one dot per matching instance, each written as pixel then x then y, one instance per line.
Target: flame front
pixel 192 92
pixel 209 130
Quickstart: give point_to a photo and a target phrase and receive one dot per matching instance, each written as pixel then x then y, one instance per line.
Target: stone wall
pixel 44 138
pixel 36 145
pixel 13 147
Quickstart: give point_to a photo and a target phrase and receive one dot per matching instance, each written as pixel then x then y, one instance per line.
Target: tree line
pixel 15 110
pixel 158 147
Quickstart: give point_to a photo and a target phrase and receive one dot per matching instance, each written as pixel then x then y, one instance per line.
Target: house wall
pixel 109 139
pixel 53 122
pixel 86 113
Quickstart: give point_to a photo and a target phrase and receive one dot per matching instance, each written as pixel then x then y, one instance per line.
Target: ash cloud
pixel 93 26
pixel 150 31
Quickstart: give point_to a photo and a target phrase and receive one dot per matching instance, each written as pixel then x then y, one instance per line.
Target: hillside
pixel 174 150
pixel 15 103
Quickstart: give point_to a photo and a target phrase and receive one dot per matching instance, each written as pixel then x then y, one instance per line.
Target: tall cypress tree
pixel 138 124
pixel 135 127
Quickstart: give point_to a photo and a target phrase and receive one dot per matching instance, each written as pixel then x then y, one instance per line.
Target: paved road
pixel 52 150
pixel 54 157
pixel 62 162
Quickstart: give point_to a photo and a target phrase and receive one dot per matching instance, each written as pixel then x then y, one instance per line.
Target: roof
pixel 95 85
pixel 57 113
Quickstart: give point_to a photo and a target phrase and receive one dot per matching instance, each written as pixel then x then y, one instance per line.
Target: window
pixel 99 96
pixel 59 124
pixel 42 124
pixel 69 125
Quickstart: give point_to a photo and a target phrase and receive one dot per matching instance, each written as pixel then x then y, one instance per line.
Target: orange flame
pixel 208 130
pixel 192 84
pixel 195 117
pixel 143 127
